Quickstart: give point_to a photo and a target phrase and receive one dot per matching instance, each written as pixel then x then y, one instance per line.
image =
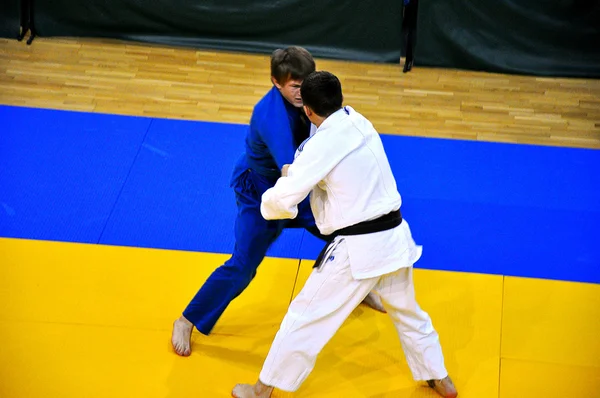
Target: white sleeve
pixel 319 156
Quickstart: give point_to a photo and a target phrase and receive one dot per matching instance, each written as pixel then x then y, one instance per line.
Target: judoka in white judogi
pixel 344 167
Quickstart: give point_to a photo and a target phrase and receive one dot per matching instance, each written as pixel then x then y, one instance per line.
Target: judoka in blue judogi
pixel 277 128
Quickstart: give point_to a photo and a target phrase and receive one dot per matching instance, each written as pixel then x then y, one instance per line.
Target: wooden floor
pixel 138 79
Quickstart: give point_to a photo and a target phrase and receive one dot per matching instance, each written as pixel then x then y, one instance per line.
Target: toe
pixel 179 349
pixel 236 391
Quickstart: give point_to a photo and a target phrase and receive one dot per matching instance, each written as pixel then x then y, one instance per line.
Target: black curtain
pixel 536 37
pixel 351 29
pixel 9 18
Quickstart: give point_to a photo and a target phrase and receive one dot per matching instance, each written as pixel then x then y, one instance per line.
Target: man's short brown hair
pixel 293 63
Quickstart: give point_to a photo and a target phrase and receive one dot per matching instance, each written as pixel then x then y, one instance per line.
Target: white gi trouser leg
pixel 327 299
pixel 419 339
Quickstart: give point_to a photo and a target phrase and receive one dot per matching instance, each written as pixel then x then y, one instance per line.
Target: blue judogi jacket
pixel 276 130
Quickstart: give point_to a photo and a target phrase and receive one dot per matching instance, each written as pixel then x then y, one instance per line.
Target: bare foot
pixel 374 301
pixel 444 387
pixel 182 332
pixel 258 390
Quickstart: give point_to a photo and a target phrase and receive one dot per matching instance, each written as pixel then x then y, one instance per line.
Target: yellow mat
pixel 550 339
pixel 528 379
pixel 551 321
pixel 82 320
pixel 128 287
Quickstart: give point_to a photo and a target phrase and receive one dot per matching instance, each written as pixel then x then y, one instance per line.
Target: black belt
pixel 383 223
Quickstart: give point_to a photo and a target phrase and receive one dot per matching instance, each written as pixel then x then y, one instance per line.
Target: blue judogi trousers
pixel 253 237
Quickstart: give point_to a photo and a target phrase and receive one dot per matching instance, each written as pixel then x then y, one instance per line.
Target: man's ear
pixel 276 83
pixel 307 111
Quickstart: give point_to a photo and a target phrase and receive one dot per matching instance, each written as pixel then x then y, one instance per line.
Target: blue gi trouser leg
pixel 253 237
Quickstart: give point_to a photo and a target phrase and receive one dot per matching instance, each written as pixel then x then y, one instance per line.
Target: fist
pixel 284 170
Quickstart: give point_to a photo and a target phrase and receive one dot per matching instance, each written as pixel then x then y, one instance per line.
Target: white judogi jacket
pixel 344 167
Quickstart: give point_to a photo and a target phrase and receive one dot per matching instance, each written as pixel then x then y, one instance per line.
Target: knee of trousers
pixel 240 272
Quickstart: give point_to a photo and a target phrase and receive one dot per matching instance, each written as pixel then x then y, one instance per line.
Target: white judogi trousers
pixel 327 299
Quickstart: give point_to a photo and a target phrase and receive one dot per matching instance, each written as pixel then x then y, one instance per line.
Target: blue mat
pixel 477 207
pixel 61 172
pixel 178 194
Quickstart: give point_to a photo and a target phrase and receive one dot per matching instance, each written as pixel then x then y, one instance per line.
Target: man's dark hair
pixel 293 63
pixel 322 92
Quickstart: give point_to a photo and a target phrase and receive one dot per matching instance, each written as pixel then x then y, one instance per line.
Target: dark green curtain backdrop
pixel 538 37
pixel 9 18
pixel 534 37
pixel 348 29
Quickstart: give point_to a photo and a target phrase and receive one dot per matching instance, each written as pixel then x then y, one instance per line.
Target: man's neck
pixel 320 119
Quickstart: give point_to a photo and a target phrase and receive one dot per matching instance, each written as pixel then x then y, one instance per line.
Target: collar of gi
pixel 335 117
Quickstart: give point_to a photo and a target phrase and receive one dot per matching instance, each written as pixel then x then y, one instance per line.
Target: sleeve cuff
pixel 272 209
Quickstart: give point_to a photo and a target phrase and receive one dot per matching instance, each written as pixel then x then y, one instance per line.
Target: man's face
pixel 290 91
